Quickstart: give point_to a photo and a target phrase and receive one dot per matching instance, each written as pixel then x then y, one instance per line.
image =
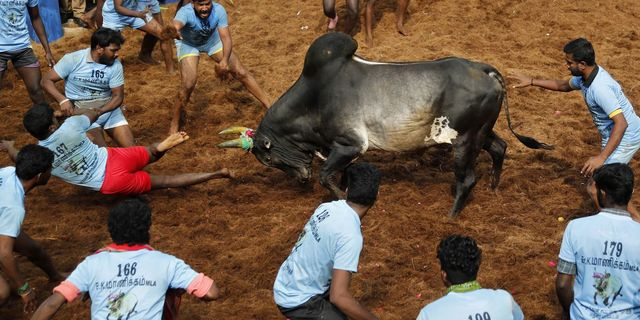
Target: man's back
pixel 11 202
pixel 606 251
pixel 332 239
pixel 482 304
pixel 130 284
pixel 77 160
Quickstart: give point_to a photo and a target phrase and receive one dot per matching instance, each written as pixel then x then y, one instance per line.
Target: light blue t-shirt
pixel 85 79
pixel 153 5
pixel 11 202
pixel 130 284
pixel 605 99
pixel 331 239
pixel 76 159
pixel 606 250
pixel 201 32
pixel 478 304
pixel 14 34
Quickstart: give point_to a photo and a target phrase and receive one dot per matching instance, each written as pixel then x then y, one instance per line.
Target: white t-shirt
pixel 481 304
pixel 332 239
pixel 77 160
pixel 606 250
pixel 130 284
pixel 11 202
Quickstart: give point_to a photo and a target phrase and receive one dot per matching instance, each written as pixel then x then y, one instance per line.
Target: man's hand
pixel 67 108
pixel 222 69
pixel 591 165
pixel 29 301
pixel 143 14
pixel 521 80
pixel 50 60
pixel 7 144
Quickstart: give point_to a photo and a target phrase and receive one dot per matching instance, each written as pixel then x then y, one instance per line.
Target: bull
pixel 343 105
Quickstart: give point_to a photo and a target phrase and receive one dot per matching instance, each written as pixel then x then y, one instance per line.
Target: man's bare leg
pixel 187 179
pixel 122 135
pixel 401 11
pixel 243 75
pixel 31 249
pixel 189 77
pixel 146 49
pixel 155 28
pixel 368 22
pixel 31 77
pixel 352 18
pixel 5 291
pixel 329 8
pixel 97 137
pixel 157 150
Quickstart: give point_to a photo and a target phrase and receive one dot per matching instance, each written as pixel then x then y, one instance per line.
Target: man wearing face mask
pixel 32 169
pixel 94 79
pixel 612 113
pixel 201 27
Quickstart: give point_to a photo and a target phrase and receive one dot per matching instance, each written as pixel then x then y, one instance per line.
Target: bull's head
pixel 273 152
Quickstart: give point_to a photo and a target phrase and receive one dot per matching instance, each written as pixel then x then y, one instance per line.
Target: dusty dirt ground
pixel 239 232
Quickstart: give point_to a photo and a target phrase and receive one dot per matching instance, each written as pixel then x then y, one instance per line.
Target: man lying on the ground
pixel 94 79
pixel 109 170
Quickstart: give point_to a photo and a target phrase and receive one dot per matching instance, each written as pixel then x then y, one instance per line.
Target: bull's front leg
pixel 339 158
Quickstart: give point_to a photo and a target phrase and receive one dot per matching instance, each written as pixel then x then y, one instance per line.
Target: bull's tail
pixel 527 141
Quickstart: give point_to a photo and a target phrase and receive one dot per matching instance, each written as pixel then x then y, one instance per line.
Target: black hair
pixel 37 120
pixel 103 37
pixel 129 222
pixel 362 180
pixel 460 258
pixel 581 50
pixel 33 160
pixel 616 180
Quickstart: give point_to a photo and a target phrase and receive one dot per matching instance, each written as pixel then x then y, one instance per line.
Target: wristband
pixel 63 101
pixel 24 290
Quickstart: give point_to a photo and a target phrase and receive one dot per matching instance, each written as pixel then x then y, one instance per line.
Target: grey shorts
pixel 20 59
pixel 318 307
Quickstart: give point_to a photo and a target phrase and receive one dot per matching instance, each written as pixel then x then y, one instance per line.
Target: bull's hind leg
pixel 465 153
pixel 496 147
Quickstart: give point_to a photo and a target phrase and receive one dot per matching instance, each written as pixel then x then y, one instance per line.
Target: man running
pixel 93 78
pixel 109 170
pixel 118 14
pixel 202 27
pixel 112 275
pixel 32 169
pixel 15 44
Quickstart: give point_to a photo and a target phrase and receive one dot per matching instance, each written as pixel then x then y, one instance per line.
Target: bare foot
pixel 172 141
pixel 332 23
pixel 400 28
pixel 147 60
pixel 368 42
pixel 226 173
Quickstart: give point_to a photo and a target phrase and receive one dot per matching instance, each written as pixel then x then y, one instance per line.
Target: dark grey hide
pixel 342 106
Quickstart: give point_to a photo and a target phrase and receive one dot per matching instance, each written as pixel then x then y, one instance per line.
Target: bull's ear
pixel 267 143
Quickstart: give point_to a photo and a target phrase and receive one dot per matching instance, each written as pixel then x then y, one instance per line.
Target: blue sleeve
pixel 606 99
pixel 117 78
pixel 575 82
pixel 347 253
pixel 10 221
pixel 566 248
pixel 183 15
pixel 81 276
pixel 221 14
pixel 516 311
pixel 181 275
pixel 32 3
pixel 64 66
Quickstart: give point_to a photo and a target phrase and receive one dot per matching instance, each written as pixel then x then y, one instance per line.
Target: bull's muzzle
pixel 245 141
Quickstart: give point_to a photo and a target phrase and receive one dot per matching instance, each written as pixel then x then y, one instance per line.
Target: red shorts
pixel 124 174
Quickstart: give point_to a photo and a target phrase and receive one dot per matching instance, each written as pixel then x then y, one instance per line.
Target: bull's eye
pixel 267 159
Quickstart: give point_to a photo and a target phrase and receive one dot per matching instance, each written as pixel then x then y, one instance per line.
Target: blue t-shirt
pixel 11 202
pixel 14 34
pixel 130 284
pixel 487 303
pixel 76 160
pixel 200 32
pixel 332 239
pixel 153 5
pixel 85 79
pixel 605 99
pixel 606 250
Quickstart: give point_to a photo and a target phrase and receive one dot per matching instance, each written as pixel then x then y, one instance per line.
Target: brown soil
pixel 239 232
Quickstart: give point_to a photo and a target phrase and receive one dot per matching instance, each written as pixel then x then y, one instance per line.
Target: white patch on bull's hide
pixel 441 132
pixel 371 63
pixel 319 155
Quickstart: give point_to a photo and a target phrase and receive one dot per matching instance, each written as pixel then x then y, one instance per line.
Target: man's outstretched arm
pixel 11 149
pixel 49 307
pixel 564 291
pixel 10 268
pixel 339 295
pixel 555 85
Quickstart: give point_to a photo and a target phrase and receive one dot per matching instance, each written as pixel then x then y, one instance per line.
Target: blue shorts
pixel 109 120
pixel 120 22
pixel 185 50
pixel 623 153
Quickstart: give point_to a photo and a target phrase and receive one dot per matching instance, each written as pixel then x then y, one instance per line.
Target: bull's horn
pixel 245 143
pixel 234 130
